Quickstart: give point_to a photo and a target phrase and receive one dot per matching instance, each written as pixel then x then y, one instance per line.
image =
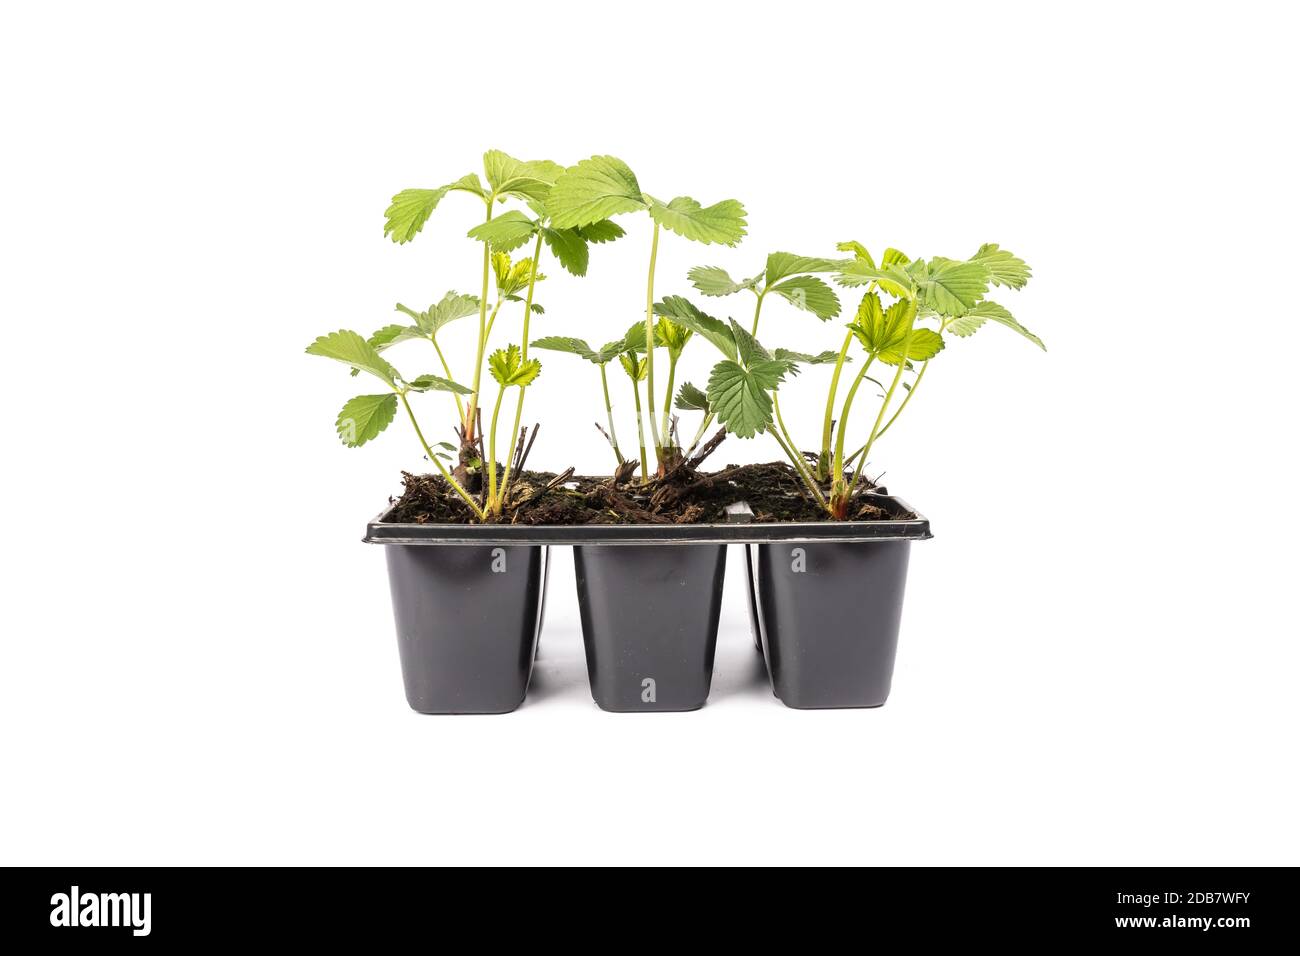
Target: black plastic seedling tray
pixel 825 601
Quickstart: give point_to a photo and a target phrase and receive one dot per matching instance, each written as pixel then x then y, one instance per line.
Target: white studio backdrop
pixel 1098 656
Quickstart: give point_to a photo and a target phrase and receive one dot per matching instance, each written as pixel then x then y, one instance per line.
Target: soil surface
pixel 684 496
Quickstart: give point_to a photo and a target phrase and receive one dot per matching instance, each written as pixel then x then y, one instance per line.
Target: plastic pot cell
pixel 827 617
pixel 468 619
pixel 650 623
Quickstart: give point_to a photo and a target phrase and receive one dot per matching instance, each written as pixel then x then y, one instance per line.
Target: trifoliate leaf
pixel 893 278
pixel 512 277
pixel 569 247
pixel 564 343
pixel 750 351
pixel 605 230
pixel 782 264
pixel 436 383
pixel 885 334
pixel 671 335
pixel 951 287
pixel 351 349
pixel 392 334
pixel 1003 267
pixel 530 180
pixel 712 280
pixel 723 222
pixel 411 208
pixel 809 293
pixel 364 417
pixel 635 368
pixel 969 323
pixel 505 232
pixel 594 189
pixel 683 312
pixel 509 368
pixel 739 395
pixel 449 308
pixel 691 399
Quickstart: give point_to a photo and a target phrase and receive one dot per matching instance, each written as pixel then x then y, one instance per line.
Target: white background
pixel 1098 657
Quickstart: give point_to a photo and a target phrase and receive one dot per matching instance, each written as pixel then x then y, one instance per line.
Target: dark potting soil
pixel 685 496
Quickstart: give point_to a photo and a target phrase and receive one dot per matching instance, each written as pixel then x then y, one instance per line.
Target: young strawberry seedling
pixel 604 186
pixel 515 282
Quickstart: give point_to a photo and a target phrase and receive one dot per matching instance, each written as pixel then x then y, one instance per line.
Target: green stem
pixel 519 405
pixel 650 349
pixel 471 413
pixel 803 475
pixel 884 406
pixel 640 431
pixel 482 347
pixel 799 464
pixel 823 462
pixel 906 398
pixel 837 463
pixel 491 463
pixel 668 393
pixel 609 414
pixel 460 408
pixel 758 307
pixel 438 462
pixel 704 425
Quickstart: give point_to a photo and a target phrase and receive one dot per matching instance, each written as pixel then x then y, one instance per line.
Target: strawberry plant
pixel 744 387
pixel 514 281
pixel 603 186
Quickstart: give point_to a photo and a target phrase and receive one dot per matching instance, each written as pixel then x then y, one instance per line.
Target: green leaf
pixel 723 222
pixel 672 336
pixel 530 179
pixel 505 232
pixel 712 280
pixel 594 189
pixel 564 343
pixel 809 293
pixel 829 357
pixel 604 230
pixel 436 383
pixel 691 399
pixel 951 287
pixel 509 368
pixel 608 351
pixel 392 334
pixel 859 251
pixel 364 417
pixel 411 208
pixel 512 277
pixel 569 247
pixel 892 278
pixel 449 308
pixel 1003 268
pixel 635 368
pixel 892 257
pixel 751 352
pixel 351 349
pixel 887 333
pixel 740 397
pixel 970 323
pixel 782 264
pixel 683 312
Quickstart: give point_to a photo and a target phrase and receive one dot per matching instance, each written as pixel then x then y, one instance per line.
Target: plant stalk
pixel 884 407
pixel 456 486
pixel 650 351
pixel 519 405
pixel 823 460
pixel 640 430
pixel 460 408
pixel 471 414
pixel 609 413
